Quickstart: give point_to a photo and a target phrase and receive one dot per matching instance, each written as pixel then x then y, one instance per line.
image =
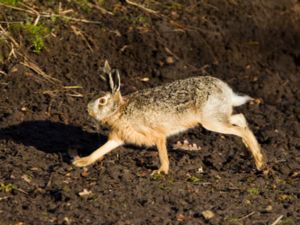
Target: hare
pixel 148 117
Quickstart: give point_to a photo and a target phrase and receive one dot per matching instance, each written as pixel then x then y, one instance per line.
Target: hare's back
pixel 174 98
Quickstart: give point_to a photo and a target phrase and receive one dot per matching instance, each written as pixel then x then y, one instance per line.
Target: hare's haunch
pixel 149 116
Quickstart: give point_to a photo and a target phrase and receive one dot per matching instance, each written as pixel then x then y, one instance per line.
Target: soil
pixel 252 45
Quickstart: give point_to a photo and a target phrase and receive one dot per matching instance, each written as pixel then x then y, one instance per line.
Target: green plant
pixel 83 5
pixel 156 176
pixel 194 179
pixel 7 187
pixel 233 221
pixel 286 198
pixel 253 191
pixel 175 6
pixel 139 20
pixel 10 2
pixel 36 35
pixel 287 221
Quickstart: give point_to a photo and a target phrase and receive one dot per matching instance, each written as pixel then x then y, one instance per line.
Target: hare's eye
pixel 102 101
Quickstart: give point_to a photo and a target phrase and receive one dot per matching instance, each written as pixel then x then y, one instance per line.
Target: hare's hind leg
pixel 97 154
pixel 236 125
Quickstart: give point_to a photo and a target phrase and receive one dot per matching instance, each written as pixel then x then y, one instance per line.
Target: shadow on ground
pixel 52 137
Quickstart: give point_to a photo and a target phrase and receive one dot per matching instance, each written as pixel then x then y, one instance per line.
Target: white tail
pixel 238 100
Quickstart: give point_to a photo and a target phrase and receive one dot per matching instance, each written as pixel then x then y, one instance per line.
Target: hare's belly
pixel 177 125
pixel 176 130
pixel 172 129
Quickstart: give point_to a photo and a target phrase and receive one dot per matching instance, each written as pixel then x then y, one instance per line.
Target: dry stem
pixel 277 220
pixel 141 7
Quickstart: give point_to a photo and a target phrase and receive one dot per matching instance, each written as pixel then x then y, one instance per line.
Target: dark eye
pixel 102 101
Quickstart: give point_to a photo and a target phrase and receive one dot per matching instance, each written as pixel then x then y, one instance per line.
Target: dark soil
pixel 252 45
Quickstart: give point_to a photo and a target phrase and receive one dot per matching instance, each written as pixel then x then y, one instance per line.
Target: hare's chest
pixel 137 134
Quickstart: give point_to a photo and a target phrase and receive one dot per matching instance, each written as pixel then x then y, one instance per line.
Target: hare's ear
pixel 116 91
pixel 111 82
pixel 118 81
pixel 114 81
pixel 106 68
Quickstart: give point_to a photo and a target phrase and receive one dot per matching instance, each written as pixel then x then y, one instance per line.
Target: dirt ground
pixel 252 45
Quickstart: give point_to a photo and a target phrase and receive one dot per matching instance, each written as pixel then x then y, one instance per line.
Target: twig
pixel 72 87
pixel 72 18
pixel 277 220
pixel 30 8
pixel 81 34
pixel 78 95
pixel 13 42
pixel 37 20
pixel 248 215
pixel 49 181
pixel 171 53
pixel 3 198
pixel 10 22
pixel 34 12
pixel 38 70
pixel 12 51
pixel 21 190
pixel 17 8
pixel 101 9
pixel 141 7
pixel 3 73
pixel 6 34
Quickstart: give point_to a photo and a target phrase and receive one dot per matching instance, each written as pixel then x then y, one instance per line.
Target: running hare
pixel 148 117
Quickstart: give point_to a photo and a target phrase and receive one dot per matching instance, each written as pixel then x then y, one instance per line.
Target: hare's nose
pixel 90 108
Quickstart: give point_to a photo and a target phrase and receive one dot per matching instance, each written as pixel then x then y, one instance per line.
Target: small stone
pixel 200 170
pixel 67 220
pixel 19 223
pixel 84 193
pixel 208 214
pixel 248 202
pixel 295 173
pixel 258 101
pixel 269 208
pixel 145 79
pixel 170 60
pixel 85 172
pixel 174 15
pixel 26 178
pixel 180 217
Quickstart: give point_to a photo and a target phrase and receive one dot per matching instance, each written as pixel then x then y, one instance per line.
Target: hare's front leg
pixel 97 154
pixel 163 156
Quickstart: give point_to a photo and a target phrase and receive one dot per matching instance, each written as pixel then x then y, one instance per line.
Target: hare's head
pixel 107 103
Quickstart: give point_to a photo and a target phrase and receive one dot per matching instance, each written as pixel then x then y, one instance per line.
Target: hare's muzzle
pixel 90 109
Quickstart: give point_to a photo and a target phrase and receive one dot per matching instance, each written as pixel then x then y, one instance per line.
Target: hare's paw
pixel 81 162
pixel 161 170
pixel 260 162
